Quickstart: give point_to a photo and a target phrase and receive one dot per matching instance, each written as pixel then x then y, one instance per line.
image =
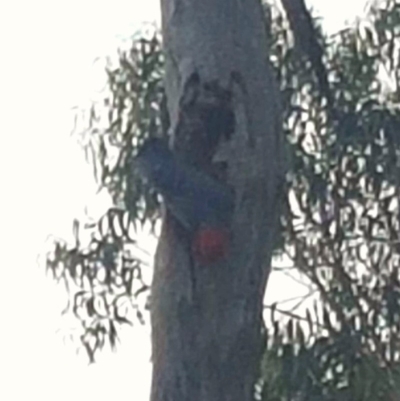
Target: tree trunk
pixel 207 320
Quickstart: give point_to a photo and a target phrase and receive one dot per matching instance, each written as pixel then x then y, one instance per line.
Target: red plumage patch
pixel 210 245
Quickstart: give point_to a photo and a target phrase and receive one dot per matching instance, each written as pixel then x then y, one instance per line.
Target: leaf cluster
pixel 341 224
pixel 104 273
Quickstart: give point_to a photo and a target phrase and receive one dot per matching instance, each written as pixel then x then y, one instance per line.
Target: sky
pixel 47 66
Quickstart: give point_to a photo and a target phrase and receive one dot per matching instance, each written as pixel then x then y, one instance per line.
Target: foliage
pixel 103 274
pixel 340 226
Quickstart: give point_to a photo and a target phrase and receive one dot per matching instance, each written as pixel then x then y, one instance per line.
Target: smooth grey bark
pixel 207 342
